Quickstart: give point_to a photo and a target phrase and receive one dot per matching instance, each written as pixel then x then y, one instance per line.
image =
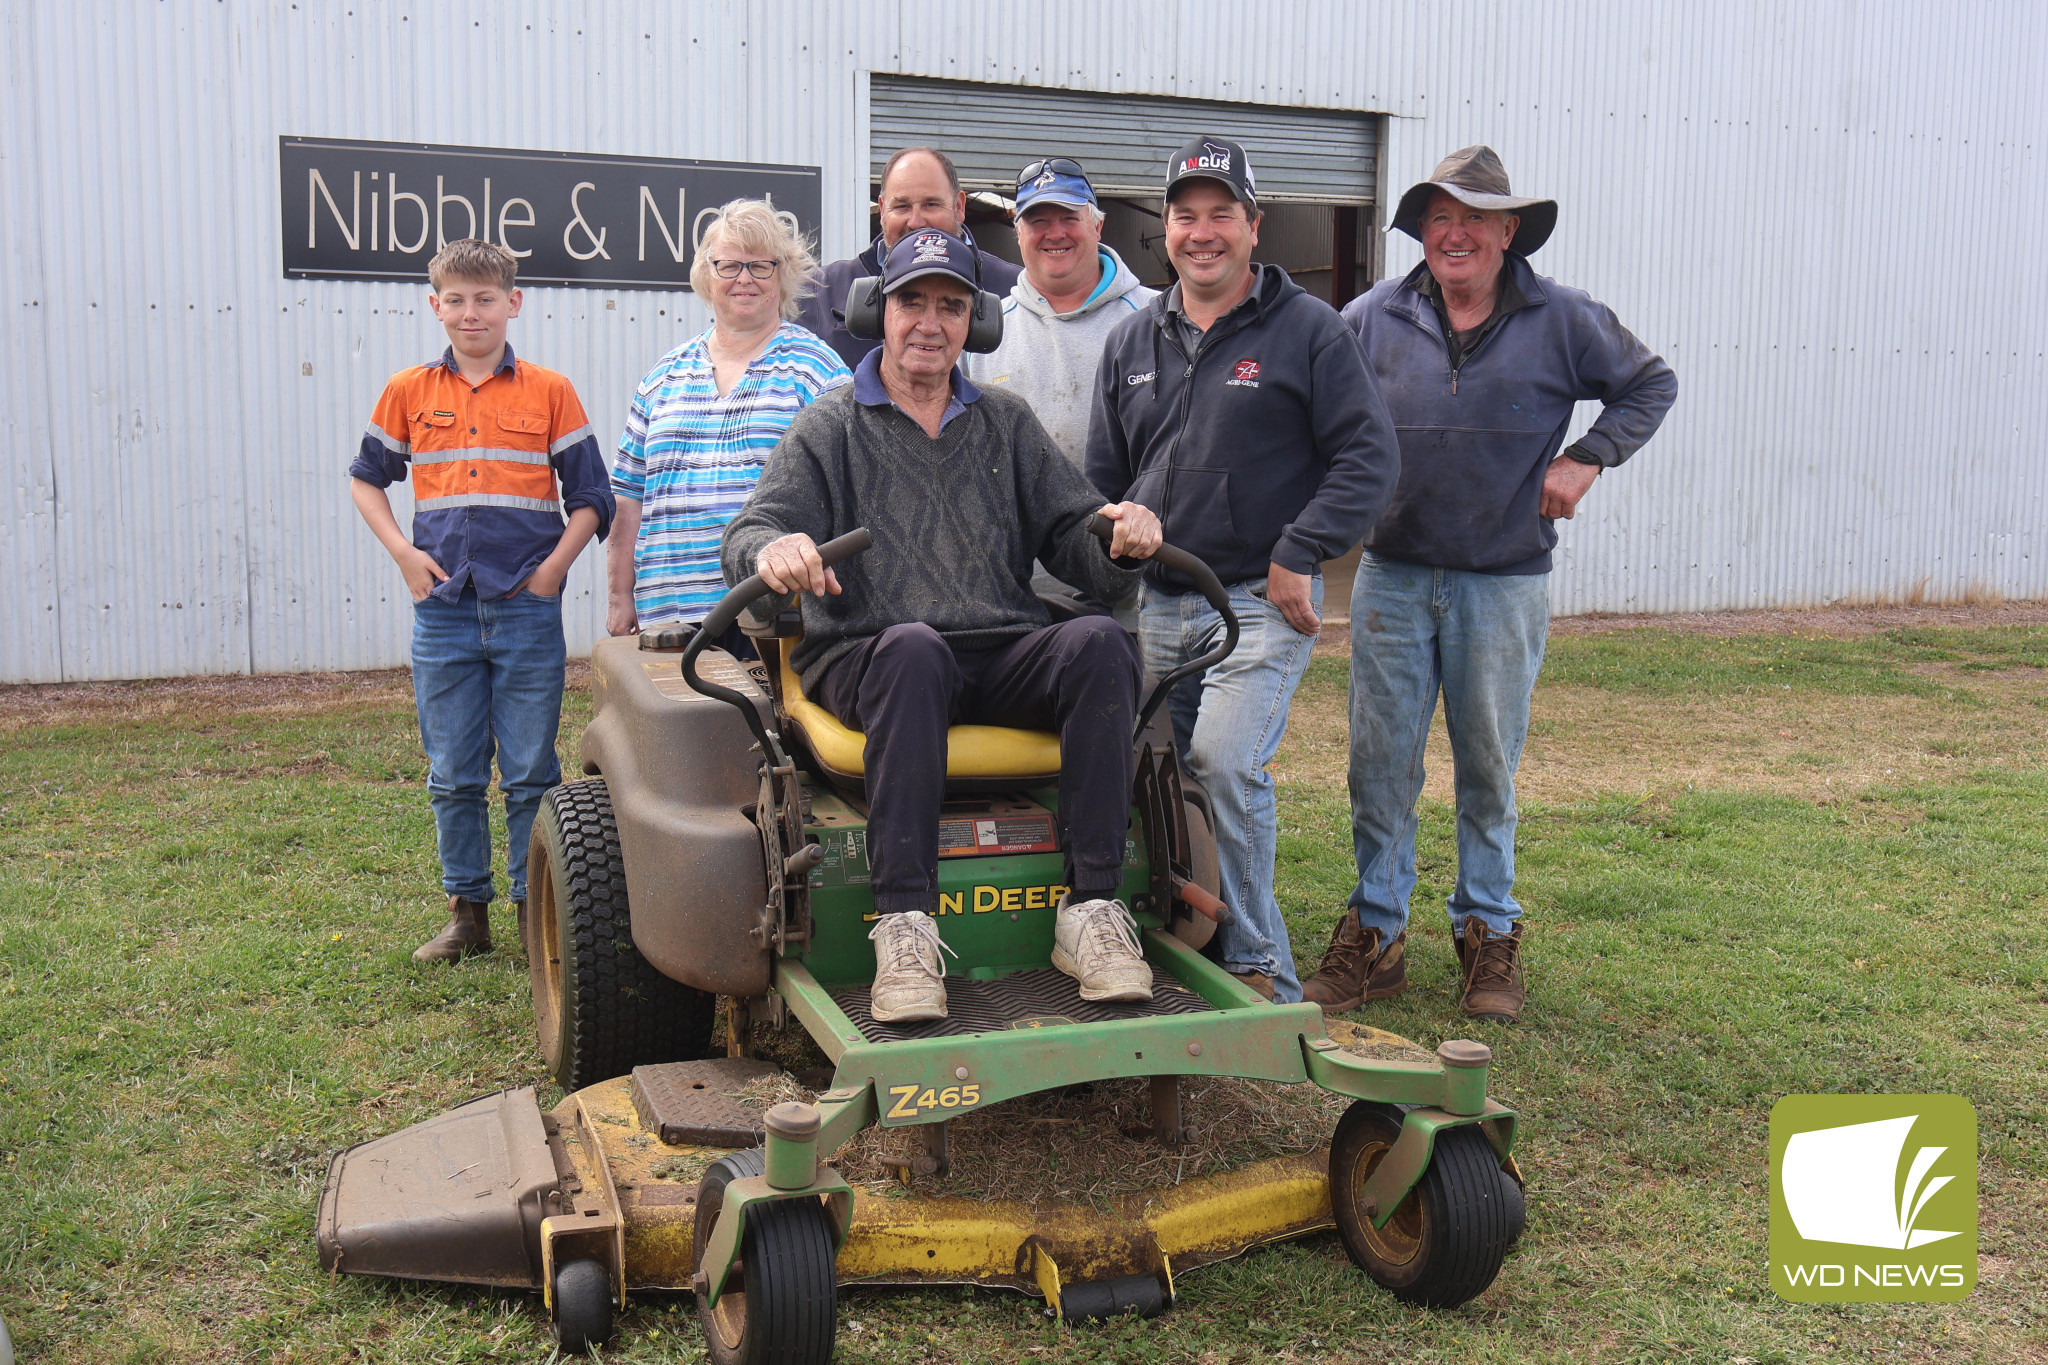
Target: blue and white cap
pixel 1055 184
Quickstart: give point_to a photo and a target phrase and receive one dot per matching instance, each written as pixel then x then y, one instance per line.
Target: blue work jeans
pixel 1228 722
pixel 1478 638
pixel 487 679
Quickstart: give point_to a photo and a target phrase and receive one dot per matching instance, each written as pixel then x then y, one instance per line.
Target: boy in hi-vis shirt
pixel 499 449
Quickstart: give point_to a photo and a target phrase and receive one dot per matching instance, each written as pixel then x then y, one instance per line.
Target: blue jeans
pixel 487 678
pixel 1478 638
pixel 1228 722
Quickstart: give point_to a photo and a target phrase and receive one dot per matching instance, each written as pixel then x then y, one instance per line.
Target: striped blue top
pixel 691 458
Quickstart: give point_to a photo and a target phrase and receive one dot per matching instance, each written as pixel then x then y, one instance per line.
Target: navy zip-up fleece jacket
pixel 1476 441
pixel 1269 444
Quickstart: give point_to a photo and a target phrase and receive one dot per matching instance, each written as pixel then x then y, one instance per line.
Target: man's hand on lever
pixel 791 564
pixel 1137 534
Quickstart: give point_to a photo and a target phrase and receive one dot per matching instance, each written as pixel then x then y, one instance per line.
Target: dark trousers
pixel 902 688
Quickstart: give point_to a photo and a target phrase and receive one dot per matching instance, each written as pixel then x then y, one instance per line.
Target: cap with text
pixel 929 251
pixel 1218 159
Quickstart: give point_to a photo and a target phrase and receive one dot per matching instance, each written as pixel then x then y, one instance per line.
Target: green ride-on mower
pixel 717 848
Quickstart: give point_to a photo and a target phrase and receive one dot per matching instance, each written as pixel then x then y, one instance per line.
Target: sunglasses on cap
pixel 1058 165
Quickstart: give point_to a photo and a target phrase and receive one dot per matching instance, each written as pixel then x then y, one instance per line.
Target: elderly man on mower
pixel 937 624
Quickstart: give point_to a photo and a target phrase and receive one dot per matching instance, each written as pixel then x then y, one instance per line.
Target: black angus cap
pixel 1219 159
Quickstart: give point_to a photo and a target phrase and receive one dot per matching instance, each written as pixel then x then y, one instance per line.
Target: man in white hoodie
pixel 1059 314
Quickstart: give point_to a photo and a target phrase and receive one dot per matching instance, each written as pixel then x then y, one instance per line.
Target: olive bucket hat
pixel 1475 176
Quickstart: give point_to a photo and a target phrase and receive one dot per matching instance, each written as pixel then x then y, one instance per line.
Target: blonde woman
pixel 707 415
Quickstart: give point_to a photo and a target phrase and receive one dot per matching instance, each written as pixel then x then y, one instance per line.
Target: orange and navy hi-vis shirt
pixel 495 467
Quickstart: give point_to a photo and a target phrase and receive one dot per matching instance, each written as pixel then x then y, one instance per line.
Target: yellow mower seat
pixel 972 751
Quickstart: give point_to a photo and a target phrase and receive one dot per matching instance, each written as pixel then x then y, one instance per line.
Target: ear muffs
pixel 864 308
pixel 864 315
pixel 985 323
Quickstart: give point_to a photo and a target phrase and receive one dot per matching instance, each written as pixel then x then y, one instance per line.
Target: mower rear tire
pixel 1448 1236
pixel 599 1009
pixel 583 1306
pixel 780 1304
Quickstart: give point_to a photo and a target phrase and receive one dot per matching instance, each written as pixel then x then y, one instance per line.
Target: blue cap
pixel 928 251
pixel 1055 187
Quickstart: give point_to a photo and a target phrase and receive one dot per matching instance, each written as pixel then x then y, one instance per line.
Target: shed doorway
pixel 1317 169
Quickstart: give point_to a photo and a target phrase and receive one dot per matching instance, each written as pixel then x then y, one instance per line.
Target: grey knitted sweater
pixel 956 521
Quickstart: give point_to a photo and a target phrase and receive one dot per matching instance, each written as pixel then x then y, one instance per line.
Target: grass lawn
pixel 1754 865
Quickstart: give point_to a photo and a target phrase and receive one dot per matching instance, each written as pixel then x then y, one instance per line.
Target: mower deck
pixel 462 1198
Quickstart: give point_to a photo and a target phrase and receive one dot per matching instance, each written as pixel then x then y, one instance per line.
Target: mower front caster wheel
pixel 780 1304
pixel 583 1306
pixel 1448 1236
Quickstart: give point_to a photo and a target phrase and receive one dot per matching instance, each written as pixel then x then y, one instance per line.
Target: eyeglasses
pixel 1059 165
pixel 760 270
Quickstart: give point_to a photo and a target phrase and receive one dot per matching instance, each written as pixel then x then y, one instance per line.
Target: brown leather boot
pixel 1493 973
pixel 1356 968
pixel 1255 981
pixel 468 931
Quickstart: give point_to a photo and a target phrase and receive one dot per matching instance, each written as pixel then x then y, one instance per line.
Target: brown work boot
pixel 1357 968
pixel 468 931
pixel 1255 981
pixel 1493 973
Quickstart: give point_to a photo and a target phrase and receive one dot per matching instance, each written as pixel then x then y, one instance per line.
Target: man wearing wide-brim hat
pixel 1481 361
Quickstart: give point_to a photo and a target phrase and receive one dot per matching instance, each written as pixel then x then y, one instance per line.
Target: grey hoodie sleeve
pixel 1633 382
pixel 1056 508
pixel 1354 437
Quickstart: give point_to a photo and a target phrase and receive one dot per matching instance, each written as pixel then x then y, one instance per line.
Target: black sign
pixel 380 210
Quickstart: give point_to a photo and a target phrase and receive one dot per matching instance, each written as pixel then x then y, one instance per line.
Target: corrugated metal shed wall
pixel 1771 196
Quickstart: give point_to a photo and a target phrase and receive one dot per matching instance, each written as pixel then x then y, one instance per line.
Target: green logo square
pixel 1873 1198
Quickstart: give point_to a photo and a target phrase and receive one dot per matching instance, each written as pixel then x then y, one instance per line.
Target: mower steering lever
pixel 728 610
pixel 1206 582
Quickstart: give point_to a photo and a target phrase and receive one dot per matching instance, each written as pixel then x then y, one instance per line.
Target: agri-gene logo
pixel 1873 1198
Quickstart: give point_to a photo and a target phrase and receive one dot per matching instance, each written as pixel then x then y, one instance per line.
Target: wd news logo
pixel 1873 1198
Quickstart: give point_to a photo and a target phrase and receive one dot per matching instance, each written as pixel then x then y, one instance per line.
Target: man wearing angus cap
pixel 1238 407
pixel 1482 361
pixel 937 623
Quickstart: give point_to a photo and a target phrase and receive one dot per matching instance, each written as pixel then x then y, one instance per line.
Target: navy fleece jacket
pixel 1476 441
pixel 1269 444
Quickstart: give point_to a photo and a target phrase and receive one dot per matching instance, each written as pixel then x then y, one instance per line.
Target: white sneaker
pixel 910 976
pixel 1096 943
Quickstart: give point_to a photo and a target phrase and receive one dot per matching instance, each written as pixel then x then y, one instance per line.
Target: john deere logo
pixel 1873 1198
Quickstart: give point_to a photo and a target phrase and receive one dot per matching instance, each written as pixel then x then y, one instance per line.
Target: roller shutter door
pixel 1307 156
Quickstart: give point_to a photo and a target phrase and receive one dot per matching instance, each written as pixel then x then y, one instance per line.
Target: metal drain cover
pixel 693 1102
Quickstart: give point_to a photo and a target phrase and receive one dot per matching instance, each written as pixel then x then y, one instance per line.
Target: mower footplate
pixel 1041 998
pixel 693 1102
